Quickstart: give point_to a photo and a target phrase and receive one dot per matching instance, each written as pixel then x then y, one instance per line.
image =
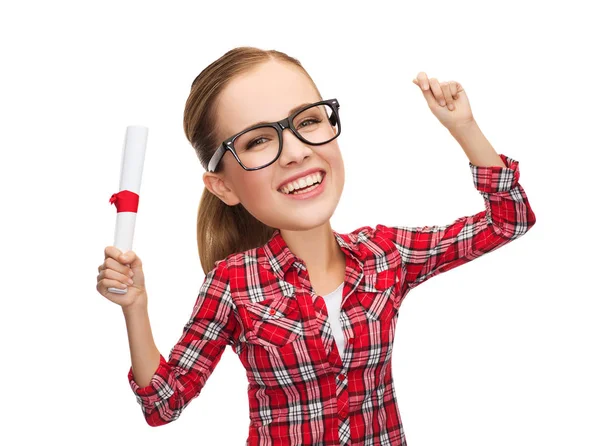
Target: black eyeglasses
pixel 260 146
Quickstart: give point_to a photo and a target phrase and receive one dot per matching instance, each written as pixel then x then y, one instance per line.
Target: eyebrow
pixel 293 110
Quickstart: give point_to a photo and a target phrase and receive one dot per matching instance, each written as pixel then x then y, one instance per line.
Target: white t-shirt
pixel 333 302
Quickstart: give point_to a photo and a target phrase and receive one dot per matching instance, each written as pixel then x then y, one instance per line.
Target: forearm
pixel 145 357
pixel 476 146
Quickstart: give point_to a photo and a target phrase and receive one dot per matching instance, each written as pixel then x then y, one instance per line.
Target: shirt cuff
pixel 149 394
pixel 491 179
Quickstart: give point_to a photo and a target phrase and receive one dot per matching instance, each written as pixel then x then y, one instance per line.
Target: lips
pixel 300 175
pixel 316 190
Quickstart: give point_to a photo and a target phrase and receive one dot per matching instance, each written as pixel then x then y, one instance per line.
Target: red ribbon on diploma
pixel 125 201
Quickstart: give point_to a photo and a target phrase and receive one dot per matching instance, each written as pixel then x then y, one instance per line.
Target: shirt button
pixel 272 311
pixel 343 413
pixel 341 377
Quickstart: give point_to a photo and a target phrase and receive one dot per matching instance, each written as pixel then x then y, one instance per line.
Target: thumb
pixel 132 259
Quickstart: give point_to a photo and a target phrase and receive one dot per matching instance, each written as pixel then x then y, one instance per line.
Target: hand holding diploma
pixel 122 272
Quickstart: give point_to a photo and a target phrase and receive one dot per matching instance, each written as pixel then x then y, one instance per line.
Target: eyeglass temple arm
pixel 216 158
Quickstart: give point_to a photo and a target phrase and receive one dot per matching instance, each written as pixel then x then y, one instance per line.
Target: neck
pixel 318 249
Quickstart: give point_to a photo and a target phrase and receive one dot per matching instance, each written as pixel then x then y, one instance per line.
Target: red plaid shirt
pixel 262 304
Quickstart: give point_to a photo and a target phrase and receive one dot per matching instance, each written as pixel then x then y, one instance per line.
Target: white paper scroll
pixel 132 166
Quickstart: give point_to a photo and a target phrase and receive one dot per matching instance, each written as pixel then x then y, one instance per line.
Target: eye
pixel 301 125
pixel 251 143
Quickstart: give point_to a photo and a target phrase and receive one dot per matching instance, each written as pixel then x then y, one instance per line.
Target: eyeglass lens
pixel 258 147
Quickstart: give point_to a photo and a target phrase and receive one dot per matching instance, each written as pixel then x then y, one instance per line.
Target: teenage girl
pixel 310 312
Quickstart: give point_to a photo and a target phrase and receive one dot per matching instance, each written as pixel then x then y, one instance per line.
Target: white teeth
pixel 308 180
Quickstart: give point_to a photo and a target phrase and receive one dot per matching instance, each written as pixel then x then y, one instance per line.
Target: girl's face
pixel 268 94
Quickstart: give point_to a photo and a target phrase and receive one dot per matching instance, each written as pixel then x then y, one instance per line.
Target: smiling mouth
pixel 306 188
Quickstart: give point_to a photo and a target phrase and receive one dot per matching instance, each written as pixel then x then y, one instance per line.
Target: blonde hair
pixel 222 229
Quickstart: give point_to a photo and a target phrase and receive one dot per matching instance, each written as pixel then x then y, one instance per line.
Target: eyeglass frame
pixel 279 126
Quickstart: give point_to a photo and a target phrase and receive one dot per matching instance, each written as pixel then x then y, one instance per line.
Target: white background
pixel 502 350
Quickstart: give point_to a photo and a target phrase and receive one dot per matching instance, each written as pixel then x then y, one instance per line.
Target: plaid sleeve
pixel 429 250
pixel 193 358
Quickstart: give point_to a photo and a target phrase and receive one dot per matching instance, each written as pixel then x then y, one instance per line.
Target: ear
pixel 215 182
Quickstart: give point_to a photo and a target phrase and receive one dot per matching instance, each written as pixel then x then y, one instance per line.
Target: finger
pixel 429 98
pixel 447 95
pixel 115 275
pixel 416 82
pixel 423 81
pixel 110 283
pixel 119 267
pixel 454 89
pixel 112 252
pixel 437 91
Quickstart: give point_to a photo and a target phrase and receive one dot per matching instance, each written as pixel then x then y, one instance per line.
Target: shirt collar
pixel 276 255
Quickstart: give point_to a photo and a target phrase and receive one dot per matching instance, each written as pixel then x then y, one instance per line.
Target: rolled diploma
pixel 132 166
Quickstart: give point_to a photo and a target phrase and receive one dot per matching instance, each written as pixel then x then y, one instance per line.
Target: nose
pixel 293 148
